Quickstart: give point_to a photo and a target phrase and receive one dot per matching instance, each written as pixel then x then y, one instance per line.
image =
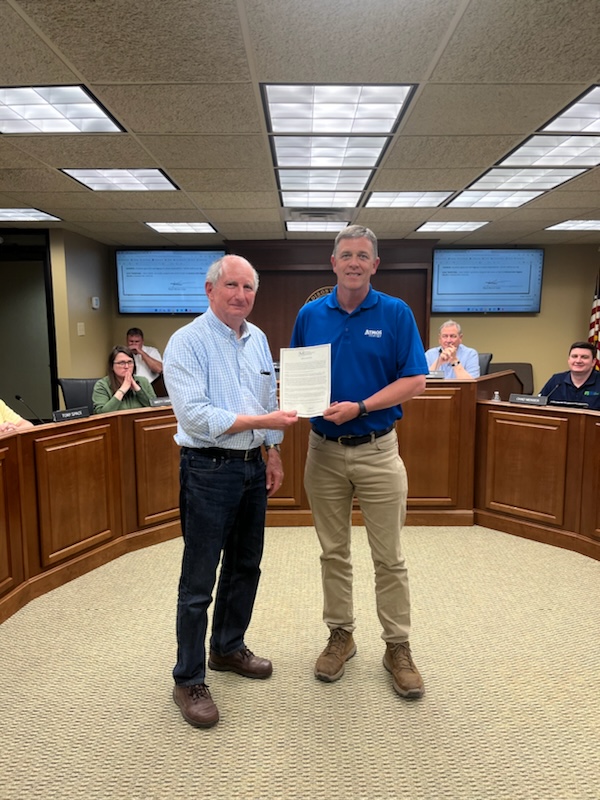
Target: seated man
pixel 148 360
pixel 581 382
pixel 452 357
pixel 10 421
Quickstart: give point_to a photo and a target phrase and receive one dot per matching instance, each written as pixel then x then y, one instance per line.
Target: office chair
pixel 522 369
pixel 77 392
pixel 484 362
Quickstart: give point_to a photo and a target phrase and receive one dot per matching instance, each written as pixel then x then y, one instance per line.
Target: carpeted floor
pixel 505 631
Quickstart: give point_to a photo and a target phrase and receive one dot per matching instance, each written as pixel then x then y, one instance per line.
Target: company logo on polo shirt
pixel 373 334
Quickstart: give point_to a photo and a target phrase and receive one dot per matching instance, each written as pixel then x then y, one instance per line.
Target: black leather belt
pixel 223 452
pixel 354 441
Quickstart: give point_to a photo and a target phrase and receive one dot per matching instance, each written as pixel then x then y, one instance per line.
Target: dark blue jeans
pixel 223 503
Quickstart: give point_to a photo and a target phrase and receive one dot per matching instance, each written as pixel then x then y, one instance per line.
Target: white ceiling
pixel 183 79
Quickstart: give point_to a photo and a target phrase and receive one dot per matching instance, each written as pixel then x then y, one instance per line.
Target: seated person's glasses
pixel 122 363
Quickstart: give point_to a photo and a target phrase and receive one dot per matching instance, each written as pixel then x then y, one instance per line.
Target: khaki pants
pixel 374 472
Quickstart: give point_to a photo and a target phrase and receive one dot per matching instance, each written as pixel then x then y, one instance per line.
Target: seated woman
pixel 10 421
pixel 121 390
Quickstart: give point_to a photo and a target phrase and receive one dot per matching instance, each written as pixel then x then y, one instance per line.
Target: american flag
pixel 594 334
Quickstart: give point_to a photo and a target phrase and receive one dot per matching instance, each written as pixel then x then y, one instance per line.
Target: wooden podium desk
pixel 538 474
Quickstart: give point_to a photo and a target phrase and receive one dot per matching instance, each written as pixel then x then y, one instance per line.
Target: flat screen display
pixel 163 281
pixel 480 281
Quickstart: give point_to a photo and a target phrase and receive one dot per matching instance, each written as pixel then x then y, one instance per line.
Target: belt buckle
pixel 247 456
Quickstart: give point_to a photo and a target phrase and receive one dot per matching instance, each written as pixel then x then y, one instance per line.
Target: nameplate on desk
pixel 70 413
pixel 160 401
pixel 529 399
pixel 437 375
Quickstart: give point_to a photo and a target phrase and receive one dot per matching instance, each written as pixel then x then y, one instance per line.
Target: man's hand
pixel 448 354
pixel 274 471
pixel 277 420
pixel 339 413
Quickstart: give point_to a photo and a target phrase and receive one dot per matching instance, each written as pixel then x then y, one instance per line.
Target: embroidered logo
pixel 373 334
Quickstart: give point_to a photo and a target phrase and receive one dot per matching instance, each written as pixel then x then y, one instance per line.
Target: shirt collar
pixel 369 301
pixel 224 330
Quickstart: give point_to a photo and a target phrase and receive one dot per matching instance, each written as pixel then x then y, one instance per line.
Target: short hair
pixel 584 346
pixel 216 270
pixel 356 232
pixel 449 323
pixel 135 332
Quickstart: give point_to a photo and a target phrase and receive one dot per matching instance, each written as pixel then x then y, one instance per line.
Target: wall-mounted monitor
pixel 481 281
pixel 163 281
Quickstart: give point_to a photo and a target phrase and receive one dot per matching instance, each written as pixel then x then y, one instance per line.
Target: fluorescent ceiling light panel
pixel 122 180
pixel 323 179
pixel 450 226
pixel 531 179
pixel 407 199
pixel 576 225
pixel 328 151
pixel 493 199
pixel 52 109
pixel 295 227
pixel 181 227
pixel 556 151
pixel 25 215
pixel 335 109
pixel 582 117
pixel 320 199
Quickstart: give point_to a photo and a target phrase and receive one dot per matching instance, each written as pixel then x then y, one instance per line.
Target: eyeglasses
pixel 122 363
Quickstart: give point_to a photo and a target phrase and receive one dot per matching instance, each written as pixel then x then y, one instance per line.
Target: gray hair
pixel 451 323
pixel 216 270
pixel 356 232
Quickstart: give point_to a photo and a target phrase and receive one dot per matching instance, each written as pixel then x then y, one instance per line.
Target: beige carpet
pixel 506 633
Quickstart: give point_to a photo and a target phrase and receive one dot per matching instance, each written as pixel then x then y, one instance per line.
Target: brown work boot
pixel 405 676
pixel 196 705
pixel 330 664
pixel 243 662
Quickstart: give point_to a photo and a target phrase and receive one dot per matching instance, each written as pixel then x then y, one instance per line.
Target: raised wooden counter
pixel 75 495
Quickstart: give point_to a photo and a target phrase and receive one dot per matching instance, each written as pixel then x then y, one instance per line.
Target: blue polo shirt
pixel 372 347
pixel 589 392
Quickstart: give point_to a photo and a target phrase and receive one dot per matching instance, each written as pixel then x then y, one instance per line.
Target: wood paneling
pixel 157 479
pixel 11 552
pixel 590 480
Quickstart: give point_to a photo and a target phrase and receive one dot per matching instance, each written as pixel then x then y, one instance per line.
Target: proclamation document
pixel 305 379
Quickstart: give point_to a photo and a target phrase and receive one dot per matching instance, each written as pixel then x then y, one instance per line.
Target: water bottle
pixel 496 397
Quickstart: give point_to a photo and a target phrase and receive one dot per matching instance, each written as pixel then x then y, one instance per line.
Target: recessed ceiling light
pixel 556 151
pixel 52 109
pixel 25 215
pixel 320 199
pixel 295 227
pixel 582 117
pixel 122 180
pixel 181 227
pixel 407 199
pixel 351 109
pixel 320 180
pixel 532 178
pixel 328 151
pixel 492 199
pixel 450 226
pixel 576 225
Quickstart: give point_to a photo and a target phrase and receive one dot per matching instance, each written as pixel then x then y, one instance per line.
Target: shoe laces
pixel 246 653
pixel 401 657
pixel 198 691
pixel 337 640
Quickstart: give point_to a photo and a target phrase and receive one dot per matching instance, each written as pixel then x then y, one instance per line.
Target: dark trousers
pixel 223 503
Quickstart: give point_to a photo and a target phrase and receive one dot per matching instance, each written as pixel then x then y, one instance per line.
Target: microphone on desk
pixel 551 392
pixel 20 399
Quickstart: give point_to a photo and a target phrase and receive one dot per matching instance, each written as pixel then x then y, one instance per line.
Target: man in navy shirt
pixel 377 363
pixel 581 382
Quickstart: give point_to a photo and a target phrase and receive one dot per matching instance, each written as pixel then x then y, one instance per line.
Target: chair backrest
pixel 484 362
pixel 523 370
pixel 78 392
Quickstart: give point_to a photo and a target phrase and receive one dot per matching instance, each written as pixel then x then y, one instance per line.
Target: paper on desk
pixel 305 379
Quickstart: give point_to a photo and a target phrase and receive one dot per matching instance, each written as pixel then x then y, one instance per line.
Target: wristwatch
pixel 362 409
pixel 456 363
pixel 273 447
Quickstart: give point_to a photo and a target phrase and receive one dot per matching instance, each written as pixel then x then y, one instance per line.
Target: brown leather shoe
pixel 405 676
pixel 330 664
pixel 243 662
pixel 196 705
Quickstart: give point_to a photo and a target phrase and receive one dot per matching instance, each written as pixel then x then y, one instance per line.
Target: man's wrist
pixel 269 447
pixel 455 364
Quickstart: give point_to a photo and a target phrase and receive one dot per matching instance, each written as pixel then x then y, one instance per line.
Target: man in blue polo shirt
pixel 581 382
pixel 377 363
